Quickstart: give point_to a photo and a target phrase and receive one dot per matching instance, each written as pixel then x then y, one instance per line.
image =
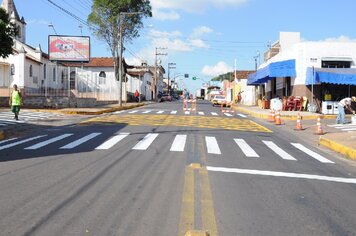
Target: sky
pixel 204 38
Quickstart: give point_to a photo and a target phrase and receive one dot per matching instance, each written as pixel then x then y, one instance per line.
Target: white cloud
pixel 164 34
pixel 198 43
pixel 341 38
pixel 199 32
pixel 220 68
pixel 165 15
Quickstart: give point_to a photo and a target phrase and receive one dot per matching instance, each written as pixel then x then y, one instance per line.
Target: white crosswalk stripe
pixel 160 112
pixel 7 118
pixel 187 112
pixel 80 141
pixel 227 114
pixel 178 143
pixel 278 150
pixel 146 112
pixel 173 112
pixel 214 113
pixel 112 141
pixel 212 145
pixel 201 113
pixel 344 127
pixel 133 112
pixel 7 140
pixel 21 142
pixel 245 148
pixel 311 153
pixel 242 115
pixel 145 142
pixel 49 141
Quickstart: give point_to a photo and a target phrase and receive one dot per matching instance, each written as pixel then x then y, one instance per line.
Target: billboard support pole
pixel 120 61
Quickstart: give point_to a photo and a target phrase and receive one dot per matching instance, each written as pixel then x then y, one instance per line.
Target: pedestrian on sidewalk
pixel 137 94
pixel 15 102
pixel 342 105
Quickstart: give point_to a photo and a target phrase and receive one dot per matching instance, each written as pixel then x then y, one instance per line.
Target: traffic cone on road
pixel 298 126
pixel 271 116
pixel 319 129
pixel 278 118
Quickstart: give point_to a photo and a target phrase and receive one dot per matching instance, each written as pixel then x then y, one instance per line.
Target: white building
pixel 289 65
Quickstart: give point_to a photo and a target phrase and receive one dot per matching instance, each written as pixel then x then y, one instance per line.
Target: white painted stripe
pixel 7 140
pixel 278 150
pixel 242 115
pixel 118 112
pixel 214 114
pixel 178 143
pixel 146 112
pixel 145 142
pixel 112 141
pixel 80 141
pixel 227 114
pixel 201 113
pixel 49 141
pixel 160 112
pixel 282 174
pixel 311 153
pixel 354 129
pixel 4 124
pixel 173 112
pixel 245 148
pixel 21 142
pixel 212 145
pixel 187 112
pixel 132 112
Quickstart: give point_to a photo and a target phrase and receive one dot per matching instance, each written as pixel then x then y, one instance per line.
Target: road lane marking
pixel 187 112
pixel 311 153
pixel 245 148
pixel 178 143
pixel 227 114
pixel 20 142
pixel 160 112
pixel 145 142
pixel 242 115
pixel 201 113
pixel 7 140
pixel 133 112
pixel 212 145
pixel 280 152
pixel 282 174
pixel 112 141
pixel 80 141
pixel 49 141
pixel 146 112
pixel 173 112
pixel 214 113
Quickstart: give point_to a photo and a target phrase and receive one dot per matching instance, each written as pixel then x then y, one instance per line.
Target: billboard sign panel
pixel 69 48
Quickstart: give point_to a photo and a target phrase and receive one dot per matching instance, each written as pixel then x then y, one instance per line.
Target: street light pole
pixel 171 65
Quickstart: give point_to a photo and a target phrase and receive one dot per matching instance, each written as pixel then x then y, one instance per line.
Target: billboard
pixel 69 48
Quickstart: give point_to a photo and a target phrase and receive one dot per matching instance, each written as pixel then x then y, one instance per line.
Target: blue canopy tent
pixel 275 69
pixel 343 76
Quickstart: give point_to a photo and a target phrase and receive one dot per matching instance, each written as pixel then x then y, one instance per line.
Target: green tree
pixel 105 21
pixel 8 31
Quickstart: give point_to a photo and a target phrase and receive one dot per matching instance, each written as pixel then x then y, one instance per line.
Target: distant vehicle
pixel 165 98
pixel 218 100
pixel 200 93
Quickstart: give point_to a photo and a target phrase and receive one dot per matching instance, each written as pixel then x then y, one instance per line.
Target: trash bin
pixel 276 104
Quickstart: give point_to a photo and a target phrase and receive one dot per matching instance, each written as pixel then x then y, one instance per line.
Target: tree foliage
pixel 105 20
pixel 228 76
pixel 8 30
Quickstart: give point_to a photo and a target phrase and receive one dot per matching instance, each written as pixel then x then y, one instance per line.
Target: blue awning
pixel 343 76
pixel 275 69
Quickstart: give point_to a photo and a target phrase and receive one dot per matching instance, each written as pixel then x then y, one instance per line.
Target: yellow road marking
pixel 187 210
pixel 185 121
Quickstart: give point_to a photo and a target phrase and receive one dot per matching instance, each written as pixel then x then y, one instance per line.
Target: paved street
pixel 159 170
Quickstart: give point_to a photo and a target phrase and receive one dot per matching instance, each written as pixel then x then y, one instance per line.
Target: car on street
pixel 218 100
pixel 165 98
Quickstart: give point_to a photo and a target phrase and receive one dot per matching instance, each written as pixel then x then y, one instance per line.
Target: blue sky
pixel 203 37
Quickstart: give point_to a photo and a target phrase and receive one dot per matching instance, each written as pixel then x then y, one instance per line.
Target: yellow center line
pixel 187 210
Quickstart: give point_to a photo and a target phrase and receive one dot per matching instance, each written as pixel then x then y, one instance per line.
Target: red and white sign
pixel 69 48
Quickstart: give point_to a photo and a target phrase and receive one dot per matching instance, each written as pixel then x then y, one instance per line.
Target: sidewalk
pixel 343 142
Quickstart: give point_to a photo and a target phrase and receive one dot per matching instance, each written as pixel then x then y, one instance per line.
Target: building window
pixel 12 69
pixel 62 77
pixel 102 77
pixel 44 71
pixel 335 64
pixel 72 80
pixel 54 74
pixel 30 70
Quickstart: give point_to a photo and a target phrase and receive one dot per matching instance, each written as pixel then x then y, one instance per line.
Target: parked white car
pixel 219 100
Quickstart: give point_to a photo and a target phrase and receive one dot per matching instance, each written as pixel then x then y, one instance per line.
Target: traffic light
pixel 194 78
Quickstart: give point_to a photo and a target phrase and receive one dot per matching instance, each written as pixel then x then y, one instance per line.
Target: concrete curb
pixel 347 151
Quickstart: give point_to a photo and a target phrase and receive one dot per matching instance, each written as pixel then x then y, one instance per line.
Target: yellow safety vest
pixel 16 98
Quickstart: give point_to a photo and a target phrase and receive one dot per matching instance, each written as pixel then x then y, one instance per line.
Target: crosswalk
pixel 175 112
pixel 179 143
pixel 7 118
pixel 344 127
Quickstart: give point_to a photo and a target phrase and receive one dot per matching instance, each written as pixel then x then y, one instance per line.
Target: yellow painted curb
pixel 196 233
pixel 348 152
pixel 2 135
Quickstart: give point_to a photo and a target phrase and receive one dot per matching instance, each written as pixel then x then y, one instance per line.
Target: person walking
pixel 341 106
pixel 15 102
pixel 137 94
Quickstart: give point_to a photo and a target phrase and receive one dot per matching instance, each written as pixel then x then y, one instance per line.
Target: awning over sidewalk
pixel 345 76
pixel 275 69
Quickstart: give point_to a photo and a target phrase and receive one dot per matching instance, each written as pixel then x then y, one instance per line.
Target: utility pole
pixel 171 65
pixel 155 75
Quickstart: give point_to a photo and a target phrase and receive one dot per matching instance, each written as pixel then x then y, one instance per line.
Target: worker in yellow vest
pixel 15 101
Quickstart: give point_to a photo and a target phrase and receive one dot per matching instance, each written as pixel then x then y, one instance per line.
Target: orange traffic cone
pixel 298 126
pixel 271 116
pixel 319 129
pixel 278 118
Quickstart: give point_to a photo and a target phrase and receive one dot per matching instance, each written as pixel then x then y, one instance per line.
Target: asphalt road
pixel 157 170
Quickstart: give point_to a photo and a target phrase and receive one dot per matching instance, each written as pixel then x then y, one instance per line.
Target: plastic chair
pixel 298 105
pixel 290 103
